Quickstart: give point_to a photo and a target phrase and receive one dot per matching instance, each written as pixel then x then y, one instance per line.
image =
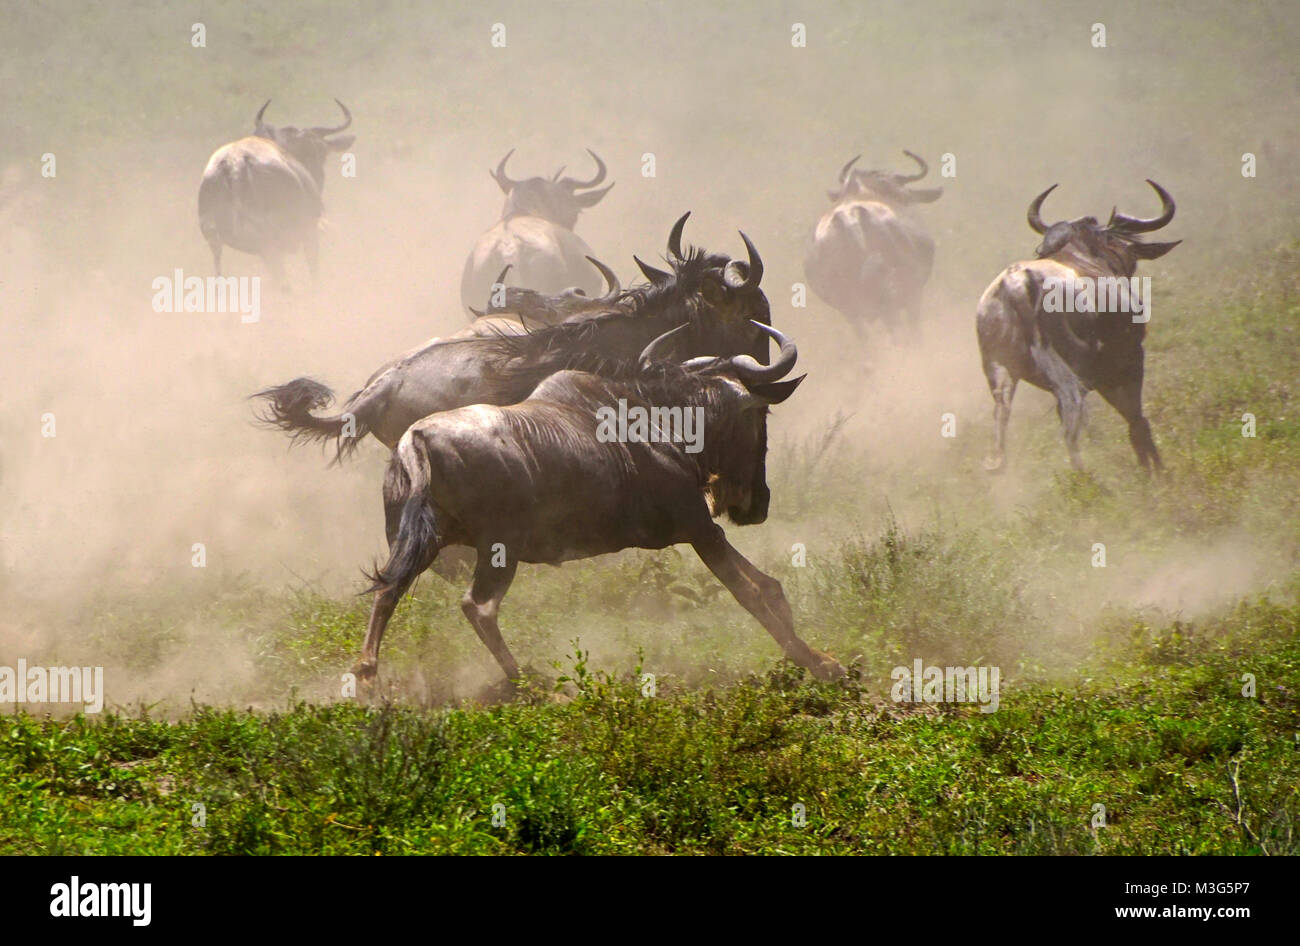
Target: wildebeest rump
pixel 262 194
pixel 535 237
pixel 1070 353
pixel 870 258
pixel 532 309
pixel 535 482
pixel 713 294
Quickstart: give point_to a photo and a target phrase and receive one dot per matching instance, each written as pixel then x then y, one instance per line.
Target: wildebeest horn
pixel 925 169
pixel 261 111
pixel 347 120
pixel 1035 220
pixel 675 238
pixel 499 175
pixel 1129 224
pixel 647 353
pixel 656 276
pixel 755 269
pixel 595 181
pixel 611 281
pixel 749 370
pixel 556 176
pixel 844 171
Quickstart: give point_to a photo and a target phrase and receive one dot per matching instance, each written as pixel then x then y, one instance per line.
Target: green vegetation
pixel 1139 711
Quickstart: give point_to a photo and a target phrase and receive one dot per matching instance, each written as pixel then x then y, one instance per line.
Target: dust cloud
pixel 154 451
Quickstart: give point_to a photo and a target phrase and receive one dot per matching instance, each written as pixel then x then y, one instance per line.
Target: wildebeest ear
pixel 341 144
pixel 591 198
pixel 924 195
pixel 1154 250
pixel 774 392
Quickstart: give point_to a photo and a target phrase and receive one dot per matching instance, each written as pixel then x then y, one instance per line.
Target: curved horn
pixel 925 169
pixel 1034 217
pixel 595 181
pixel 647 354
pixel 675 238
pixel 844 171
pixel 556 176
pixel 611 281
pixel 261 111
pixel 755 269
pixel 750 371
pixel 1137 224
pixel 347 120
pixel 656 276
pixel 499 175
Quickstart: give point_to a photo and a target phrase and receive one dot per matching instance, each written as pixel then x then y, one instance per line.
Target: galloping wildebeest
pixel 535 236
pixel 512 309
pixel 717 296
pixel 1073 352
pixel 262 194
pixel 538 482
pixel 870 258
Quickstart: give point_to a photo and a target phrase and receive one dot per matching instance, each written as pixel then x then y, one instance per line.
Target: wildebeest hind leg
pixel 381 612
pixel 1002 385
pixel 1127 399
pixel 762 596
pixel 482 603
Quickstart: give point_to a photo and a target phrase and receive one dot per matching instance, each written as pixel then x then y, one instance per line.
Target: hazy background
pixel 154 448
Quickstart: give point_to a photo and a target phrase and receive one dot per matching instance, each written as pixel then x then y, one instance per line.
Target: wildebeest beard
pixel 600 342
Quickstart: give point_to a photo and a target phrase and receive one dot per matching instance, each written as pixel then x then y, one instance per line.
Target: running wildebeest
pixel 717 296
pixel 870 258
pixel 535 236
pixel 262 194
pixel 538 482
pixel 1073 352
pixel 512 309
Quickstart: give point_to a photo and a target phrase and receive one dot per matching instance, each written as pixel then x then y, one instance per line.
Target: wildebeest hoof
pixel 826 667
pixel 366 671
pixel 995 464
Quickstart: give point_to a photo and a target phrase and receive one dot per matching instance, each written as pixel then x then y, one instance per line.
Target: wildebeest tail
pixel 216 206
pixel 290 407
pixel 413 544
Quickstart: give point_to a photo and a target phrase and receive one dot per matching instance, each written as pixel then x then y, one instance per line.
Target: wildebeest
pixel 262 194
pixel 537 482
pixel 713 294
pixel 514 309
pixel 535 236
pixel 870 258
pixel 1071 353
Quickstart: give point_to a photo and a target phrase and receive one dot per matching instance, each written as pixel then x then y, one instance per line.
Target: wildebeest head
pixel 534 307
pixel 556 200
pixel 717 295
pixel 885 186
pixel 1115 247
pixel 309 146
pixel 735 436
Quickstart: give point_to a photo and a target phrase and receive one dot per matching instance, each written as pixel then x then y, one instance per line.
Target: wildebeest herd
pixel 494 430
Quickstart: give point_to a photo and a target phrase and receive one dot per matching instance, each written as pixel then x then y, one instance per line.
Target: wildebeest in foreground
pixel 262 194
pixel 537 482
pixel 535 236
pixel 870 258
pixel 713 294
pixel 1071 353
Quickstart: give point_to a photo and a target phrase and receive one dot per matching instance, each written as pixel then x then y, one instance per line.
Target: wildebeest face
pixel 556 200
pixel 310 146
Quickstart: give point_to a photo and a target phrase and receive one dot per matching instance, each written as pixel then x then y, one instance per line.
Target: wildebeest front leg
pixel 762 596
pixel 482 603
